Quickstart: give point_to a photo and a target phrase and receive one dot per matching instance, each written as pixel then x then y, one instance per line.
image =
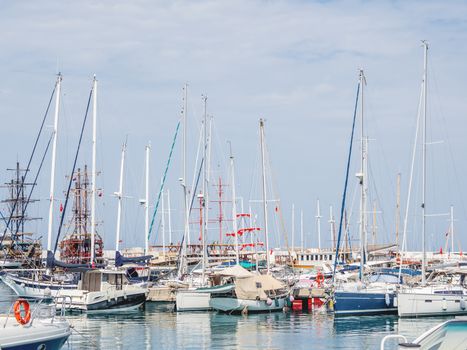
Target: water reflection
pixel 158 327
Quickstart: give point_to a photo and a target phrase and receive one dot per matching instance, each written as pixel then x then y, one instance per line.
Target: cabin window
pixel 115 280
pixel 330 257
pixel 91 281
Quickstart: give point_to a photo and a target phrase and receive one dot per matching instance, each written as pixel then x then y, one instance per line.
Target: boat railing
pixel 40 308
pixel 65 301
pixel 392 336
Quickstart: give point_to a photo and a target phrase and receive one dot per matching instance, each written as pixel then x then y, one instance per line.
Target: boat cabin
pixel 101 280
pixel 311 258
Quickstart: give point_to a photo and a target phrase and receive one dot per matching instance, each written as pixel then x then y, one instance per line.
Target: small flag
pixel 61 207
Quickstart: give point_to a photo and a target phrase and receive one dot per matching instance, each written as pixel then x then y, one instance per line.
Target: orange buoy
pixel 22 303
pixel 319 279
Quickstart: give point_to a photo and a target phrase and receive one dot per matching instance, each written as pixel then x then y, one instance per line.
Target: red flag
pixel 61 207
pixel 441 250
pixel 277 209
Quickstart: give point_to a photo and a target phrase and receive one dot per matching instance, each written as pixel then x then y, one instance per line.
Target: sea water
pixel 159 327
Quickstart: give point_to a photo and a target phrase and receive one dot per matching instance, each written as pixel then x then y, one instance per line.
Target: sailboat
pixel 435 296
pixel 256 293
pixel 361 297
pixel 197 299
pixel 35 282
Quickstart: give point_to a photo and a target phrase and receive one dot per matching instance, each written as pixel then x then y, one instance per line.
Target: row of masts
pixel 93 169
pixel 81 220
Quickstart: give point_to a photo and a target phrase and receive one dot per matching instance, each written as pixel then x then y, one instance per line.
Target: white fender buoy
pixel 394 302
pixel 462 304
pixel 291 298
pixel 387 299
pixel 269 301
pixel 445 304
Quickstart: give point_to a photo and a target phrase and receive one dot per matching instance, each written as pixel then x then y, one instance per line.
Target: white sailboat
pixel 197 299
pixel 435 297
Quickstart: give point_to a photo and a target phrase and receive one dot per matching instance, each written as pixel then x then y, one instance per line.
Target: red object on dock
pixel 297 305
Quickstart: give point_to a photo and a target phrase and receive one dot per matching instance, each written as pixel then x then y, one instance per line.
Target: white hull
pixel 29 288
pixel 41 334
pixel 413 304
pixel 110 300
pixel 192 301
pixel 238 305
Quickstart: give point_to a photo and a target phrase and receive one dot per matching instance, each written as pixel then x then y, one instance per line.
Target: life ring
pixel 319 279
pixel 27 312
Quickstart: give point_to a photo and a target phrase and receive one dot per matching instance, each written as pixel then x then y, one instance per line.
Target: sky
pixel 293 63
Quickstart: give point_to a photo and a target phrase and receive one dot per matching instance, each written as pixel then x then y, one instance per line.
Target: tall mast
pixel 425 62
pixel 119 195
pixel 265 203
pixel 398 207
pixel 163 221
pixel 318 223
pixel 205 187
pixel 374 223
pixel 234 206
pixel 146 203
pixel 94 171
pixel 52 171
pixel 362 178
pixel 331 227
pixel 184 179
pixel 170 217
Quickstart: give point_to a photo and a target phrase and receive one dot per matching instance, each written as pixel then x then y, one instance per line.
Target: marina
pixel 251 175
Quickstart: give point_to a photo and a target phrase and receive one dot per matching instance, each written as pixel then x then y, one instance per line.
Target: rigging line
pixel 3 218
pixel 34 183
pixel 30 160
pixel 163 179
pixel 67 197
pixel 278 205
pixel 195 187
pixel 345 184
pixel 379 201
pixel 409 190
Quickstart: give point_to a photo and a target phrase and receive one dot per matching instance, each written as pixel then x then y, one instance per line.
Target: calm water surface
pixel 156 327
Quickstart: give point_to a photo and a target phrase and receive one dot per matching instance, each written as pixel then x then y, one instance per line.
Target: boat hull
pixel 233 305
pixel 364 303
pixel 29 288
pixel 192 301
pixel 95 302
pixel 412 304
pixel 39 335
